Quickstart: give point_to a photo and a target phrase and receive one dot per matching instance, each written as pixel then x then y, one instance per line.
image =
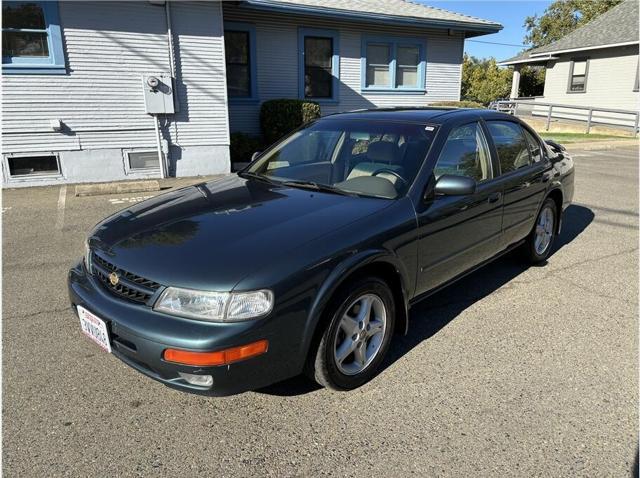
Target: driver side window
pixel 465 154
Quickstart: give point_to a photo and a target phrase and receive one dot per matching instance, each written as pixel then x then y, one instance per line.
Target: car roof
pixel 433 115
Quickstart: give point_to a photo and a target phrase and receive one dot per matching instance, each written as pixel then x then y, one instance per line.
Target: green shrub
pixel 243 146
pixel 458 104
pixel 279 117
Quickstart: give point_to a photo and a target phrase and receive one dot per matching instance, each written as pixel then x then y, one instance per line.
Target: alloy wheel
pixel 360 334
pixel 544 230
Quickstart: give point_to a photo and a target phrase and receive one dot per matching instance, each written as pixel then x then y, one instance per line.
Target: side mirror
pixel 555 147
pixel 452 185
pixel 255 155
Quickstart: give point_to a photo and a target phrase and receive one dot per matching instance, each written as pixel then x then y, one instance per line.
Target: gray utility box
pixel 158 94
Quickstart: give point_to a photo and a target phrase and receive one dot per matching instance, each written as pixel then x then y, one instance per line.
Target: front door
pixel 457 233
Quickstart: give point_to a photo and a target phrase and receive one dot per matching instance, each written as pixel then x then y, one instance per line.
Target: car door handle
pixel 495 197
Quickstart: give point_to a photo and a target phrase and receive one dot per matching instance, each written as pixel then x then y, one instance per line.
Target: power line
pixel 497 43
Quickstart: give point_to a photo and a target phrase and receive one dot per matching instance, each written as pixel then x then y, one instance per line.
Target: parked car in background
pixel 310 259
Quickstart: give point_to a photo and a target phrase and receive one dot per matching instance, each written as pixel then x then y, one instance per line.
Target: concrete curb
pixel 601 145
pixel 117 188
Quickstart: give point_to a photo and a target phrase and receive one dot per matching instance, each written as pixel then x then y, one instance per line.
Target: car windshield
pixel 369 158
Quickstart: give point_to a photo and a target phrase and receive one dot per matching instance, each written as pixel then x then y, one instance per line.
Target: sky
pixel 510 13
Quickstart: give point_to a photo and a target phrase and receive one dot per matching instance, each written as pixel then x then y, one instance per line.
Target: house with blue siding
pixel 105 91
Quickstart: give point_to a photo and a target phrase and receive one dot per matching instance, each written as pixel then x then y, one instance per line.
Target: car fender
pixel 340 273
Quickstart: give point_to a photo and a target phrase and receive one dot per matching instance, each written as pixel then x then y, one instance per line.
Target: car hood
pixel 212 235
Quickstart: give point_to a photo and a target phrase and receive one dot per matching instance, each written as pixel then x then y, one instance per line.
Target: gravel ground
pixel 512 371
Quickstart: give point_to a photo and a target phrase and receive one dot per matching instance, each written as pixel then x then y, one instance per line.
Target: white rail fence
pixel 591 116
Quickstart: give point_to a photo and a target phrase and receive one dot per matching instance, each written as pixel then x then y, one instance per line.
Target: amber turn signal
pixel 219 357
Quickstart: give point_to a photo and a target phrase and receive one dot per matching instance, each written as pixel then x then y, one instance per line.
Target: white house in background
pixel 100 91
pixel 596 65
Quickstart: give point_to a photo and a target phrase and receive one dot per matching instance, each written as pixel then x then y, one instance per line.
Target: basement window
pixel 143 161
pixel 30 166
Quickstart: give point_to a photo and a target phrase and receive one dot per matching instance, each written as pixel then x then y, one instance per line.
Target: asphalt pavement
pixel 513 371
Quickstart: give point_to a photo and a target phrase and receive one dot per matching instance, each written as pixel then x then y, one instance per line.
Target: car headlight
pixel 87 255
pixel 215 306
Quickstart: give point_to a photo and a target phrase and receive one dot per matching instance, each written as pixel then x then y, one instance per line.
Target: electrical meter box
pixel 158 94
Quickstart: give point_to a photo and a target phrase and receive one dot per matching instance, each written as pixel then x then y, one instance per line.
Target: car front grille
pixel 129 286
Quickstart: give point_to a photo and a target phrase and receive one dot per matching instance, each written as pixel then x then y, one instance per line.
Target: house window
pixel 31 38
pixel 393 64
pixel 318 64
pixel 578 75
pixel 407 66
pixel 143 160
pixel 30 166
pixel 240 60
pixel 636 85
pixel 378 61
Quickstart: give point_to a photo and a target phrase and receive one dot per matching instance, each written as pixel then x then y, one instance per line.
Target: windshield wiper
pixel 318 187
pixel 259 177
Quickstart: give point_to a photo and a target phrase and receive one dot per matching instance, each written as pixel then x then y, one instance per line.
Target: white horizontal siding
pixel 277 63
pixel 108 46
pixel 106 53
pixel 202 86
pixel 610 80
pixel 31 143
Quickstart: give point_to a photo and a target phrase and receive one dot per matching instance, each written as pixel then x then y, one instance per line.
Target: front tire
pixel 540 241
pixel 357 337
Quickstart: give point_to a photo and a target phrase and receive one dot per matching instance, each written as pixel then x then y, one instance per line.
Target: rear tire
pixel 540 241
pixel 360 324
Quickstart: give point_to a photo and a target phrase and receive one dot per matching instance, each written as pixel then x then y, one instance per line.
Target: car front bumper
pixel 139 335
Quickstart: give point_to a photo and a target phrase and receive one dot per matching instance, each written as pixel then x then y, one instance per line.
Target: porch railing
pixel 591 115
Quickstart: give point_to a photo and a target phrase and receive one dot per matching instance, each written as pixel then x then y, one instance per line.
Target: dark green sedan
pixel 310 259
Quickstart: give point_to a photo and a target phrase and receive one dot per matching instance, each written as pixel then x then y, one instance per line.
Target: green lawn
pixel 579 137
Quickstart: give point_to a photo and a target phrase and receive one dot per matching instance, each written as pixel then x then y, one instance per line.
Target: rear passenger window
pixel 512 147
pixel 534 146
pixel 465 154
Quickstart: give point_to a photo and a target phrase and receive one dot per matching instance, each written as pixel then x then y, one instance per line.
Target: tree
pixel 561 18
pixel 483 81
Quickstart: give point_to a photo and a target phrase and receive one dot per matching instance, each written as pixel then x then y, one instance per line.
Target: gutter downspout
pixel 172 72
pixel 163 166
pixel 172 61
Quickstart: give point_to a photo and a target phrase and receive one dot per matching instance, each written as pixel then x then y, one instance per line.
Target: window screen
pixel 578 80
pixel 408 58
pixel 378 58
pixel 24 30
pixel 236 47
pixel 318 79
pixel 143 160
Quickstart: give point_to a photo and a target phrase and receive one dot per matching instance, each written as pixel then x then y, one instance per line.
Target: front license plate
pixel 94 328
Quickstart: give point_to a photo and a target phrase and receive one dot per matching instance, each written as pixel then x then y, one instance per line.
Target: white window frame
pixel 584 59
pixel 30 177
pixel 140 172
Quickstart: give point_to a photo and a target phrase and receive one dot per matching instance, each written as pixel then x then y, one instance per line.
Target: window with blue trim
pixel 396 64
pixel 240 60
pixel 318 64
pixel 31 38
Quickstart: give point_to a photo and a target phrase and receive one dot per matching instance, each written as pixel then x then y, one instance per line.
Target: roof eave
pixel 470 28
pixel 585 48
pixel 521 61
